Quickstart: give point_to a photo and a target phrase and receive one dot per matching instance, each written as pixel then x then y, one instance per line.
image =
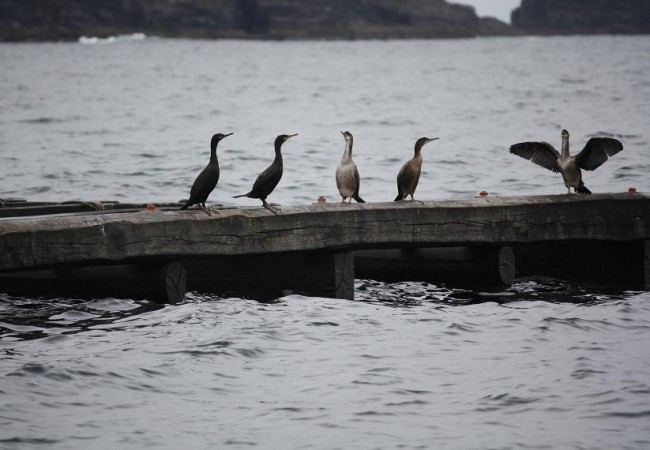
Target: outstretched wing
pixel 541 153
pixel 597 151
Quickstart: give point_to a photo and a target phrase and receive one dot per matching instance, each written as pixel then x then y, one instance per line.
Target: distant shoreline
pixel 276 20
pixel 104 34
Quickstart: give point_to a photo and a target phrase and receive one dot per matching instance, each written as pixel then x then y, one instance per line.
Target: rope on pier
pixel 95 205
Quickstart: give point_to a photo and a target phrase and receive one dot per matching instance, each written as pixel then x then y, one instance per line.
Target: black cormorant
pixel 207 179
pixel 596 152
pixel 347 175
pixel 269 179
pixel 409 174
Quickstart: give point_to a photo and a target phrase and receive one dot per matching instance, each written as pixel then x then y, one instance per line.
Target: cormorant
pixel 207 179
pixel 347 175
pixel 409 174
pixel 596 152
pixel 269 179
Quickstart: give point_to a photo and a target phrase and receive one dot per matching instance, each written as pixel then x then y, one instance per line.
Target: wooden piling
pixel 646 265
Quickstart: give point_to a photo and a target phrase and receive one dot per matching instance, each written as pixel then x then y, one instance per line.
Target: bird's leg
pixel 342 199
pixel 414 200
pixel 267 206
pixel 202 206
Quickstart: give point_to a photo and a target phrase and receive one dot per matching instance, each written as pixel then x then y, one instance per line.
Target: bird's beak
pixel 226 135
pixel 343 133
pixel 290 136
pixel 433 139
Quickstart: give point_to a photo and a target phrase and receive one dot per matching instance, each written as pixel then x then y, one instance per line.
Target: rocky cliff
pixel 274 19
pixel 582 16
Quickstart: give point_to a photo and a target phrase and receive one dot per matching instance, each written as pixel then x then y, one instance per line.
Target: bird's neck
pixel 278 154
pixel 213 154
pixel 565 148
pixel 347 154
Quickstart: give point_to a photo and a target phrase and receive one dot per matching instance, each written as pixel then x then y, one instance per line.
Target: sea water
pixel 544 364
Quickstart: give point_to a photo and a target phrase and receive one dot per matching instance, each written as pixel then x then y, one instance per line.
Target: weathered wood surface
pixel 32 242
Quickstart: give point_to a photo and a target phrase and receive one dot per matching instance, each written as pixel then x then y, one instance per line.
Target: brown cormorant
pixel 409 174
pixel 207 179
pixel 347 175
pixel 596 152
pixel 269 179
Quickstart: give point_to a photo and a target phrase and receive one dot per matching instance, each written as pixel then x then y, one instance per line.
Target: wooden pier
pixel 317 249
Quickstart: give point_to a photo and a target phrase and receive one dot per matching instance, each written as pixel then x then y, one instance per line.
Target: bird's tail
pixel 242 195
pixel 582 189
pixel 398 198
pixel 186 205
pixel 358 199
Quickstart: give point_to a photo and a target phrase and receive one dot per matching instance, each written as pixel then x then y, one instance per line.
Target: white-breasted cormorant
pixel 207 180
pixel 269 179
pixel 347 175
pixel 409 174
pixel 596 152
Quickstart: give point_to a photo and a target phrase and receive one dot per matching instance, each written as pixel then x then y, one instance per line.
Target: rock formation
pixel 582 16
pixel 272 19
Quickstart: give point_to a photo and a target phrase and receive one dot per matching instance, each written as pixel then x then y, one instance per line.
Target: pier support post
pixel 646 265
pixel 459 266
pixel 344 275
pixel 172 283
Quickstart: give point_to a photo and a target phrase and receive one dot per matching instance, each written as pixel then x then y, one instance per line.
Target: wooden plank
pixel 115 237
